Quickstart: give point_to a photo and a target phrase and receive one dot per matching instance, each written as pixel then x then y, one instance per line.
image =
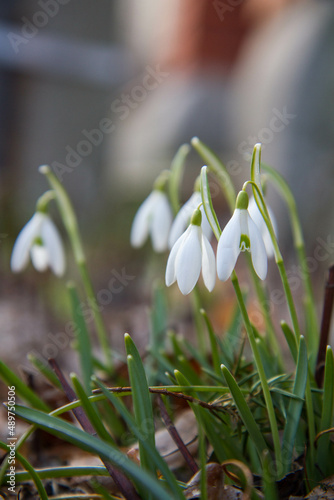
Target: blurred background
pixel 106 91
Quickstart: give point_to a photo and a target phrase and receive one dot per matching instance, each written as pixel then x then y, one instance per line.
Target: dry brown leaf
pixel 324 491
pixel 215 485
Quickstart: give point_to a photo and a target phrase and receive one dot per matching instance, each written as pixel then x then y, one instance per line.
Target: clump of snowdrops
pixel 258 425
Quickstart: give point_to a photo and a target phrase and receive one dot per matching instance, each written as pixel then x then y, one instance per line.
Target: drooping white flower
pixel 256 215
pixel 183 217
pixel 241 234
pixel 191 253
pixel 40 240
pixel 154 218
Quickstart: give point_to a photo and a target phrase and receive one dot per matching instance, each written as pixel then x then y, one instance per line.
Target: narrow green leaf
pixel 90 411
pixel 66 471
pixel 158 318
pixel 83 345
pixel 142 404
pixel 245 413
pixel 268 477
pixel 44 370
pixel 30 470
pixel 213 343
pixel 21 389
pixel 140 434
pixel 217 432
pixel 291 340
pixel 325 447
pixel 68 432
pixel 295 406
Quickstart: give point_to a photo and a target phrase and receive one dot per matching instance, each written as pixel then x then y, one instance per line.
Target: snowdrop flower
pixel 256 215
pixel 240 234
pixel 153 217
pixel 191 253
pixel 40 240
pixel 183 217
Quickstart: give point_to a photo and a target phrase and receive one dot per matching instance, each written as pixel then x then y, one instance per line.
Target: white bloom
pixel 240 234
pixel 191 253
pixel 183 217
pixel 256 215
pixel 40 240
pixel 153 217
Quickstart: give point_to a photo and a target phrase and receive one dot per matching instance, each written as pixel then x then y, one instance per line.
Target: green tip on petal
pixel 244 243
pixel 242 200
pixel 38 241
pixel 196 218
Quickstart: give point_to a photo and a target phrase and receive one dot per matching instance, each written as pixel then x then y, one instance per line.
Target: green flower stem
pixel 216 166
pixel 175 177
pixel 197 306
pixel 298 239
pixel 70 222
pixel 289 298
pixel 260 369
pixel 212 218
pixel 299 244
pixel 44 200
pixel 274 345
pixel 278 256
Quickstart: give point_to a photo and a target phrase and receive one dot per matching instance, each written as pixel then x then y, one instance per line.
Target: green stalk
pixel 289 298
pixel 274 345
pixel 200 334
pixel 299 243
pixel 218 168
pixel 298 239
pixel 70 222
pixel 257 192
pixel 175 176
pixel 260 369
pixel 212 218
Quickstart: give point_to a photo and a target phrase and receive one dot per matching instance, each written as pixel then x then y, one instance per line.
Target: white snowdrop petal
pixel 161 222
pixel 39 257
pixel 266 236
pixel 208 264
pixel 256 215
pixel 170 275
pixel 206 228
pixel 258 250
pixel 141 222
pixel 228 247
pixel 23 243
pixel 188 261
pixel 54 246
pixel 226 260
pixel 178 226
pixel 183 217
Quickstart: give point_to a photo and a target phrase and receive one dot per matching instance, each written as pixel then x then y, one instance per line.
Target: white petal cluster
pixel 190 254
pixel 240 234
pixel 183 217
pixel 256 215
pixel 154 218
pixel 39 239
